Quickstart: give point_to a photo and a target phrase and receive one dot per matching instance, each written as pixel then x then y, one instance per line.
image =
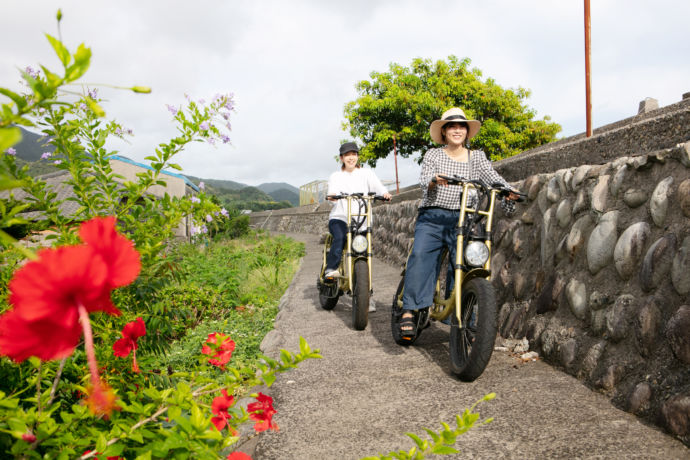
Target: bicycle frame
pixel 349 256
pixel 442 308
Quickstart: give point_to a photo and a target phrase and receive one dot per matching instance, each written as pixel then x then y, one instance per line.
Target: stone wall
pixel 594 269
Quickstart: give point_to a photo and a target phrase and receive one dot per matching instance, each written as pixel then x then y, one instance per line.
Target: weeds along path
pixel 367 392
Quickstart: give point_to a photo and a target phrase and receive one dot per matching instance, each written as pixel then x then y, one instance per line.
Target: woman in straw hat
pixel 350 179
pixel 439 209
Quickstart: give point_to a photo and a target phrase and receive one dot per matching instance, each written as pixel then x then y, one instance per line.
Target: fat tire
pixel 396 314
pixel 328 303
pixel 469 359
pixel 360 295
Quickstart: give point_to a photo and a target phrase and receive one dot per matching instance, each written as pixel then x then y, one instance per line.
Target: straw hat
pixel 453 115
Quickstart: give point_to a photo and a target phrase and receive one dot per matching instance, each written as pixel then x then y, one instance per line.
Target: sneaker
pixel 372 305
pixel 332 274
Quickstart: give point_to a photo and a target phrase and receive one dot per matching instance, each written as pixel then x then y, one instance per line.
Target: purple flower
pixel 83 106
pixel 130 132
pixel 11 151
pixel 195 200
pixel 172 109
pixel 224 212
pixel 202 185
pixel 204 229
pixel 57 162
pixel 225 139
pixel 46 155
pixel 118 131
pixel 32 73
pixel 211 141
pixel 209 218
pixel 204 126
pixel 93 93
pixel 202 101
pixel 194 230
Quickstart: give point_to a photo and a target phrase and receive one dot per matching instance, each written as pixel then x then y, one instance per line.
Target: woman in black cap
pixel 440 207
pixel 350 179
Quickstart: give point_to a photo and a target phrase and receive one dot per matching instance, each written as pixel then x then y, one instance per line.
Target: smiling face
pixel 349 160
pixel 455 134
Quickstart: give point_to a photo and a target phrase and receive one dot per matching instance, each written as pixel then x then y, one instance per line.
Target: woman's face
pixel 349 159
pixel 455 133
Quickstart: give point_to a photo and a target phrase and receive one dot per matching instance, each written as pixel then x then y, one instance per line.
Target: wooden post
pixel 395 156
pixel 588 77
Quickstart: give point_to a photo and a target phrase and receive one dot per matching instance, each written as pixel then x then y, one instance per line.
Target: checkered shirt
pixel 479 167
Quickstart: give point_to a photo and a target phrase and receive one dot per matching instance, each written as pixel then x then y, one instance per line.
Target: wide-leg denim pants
pixel 338 229
pixel 435 228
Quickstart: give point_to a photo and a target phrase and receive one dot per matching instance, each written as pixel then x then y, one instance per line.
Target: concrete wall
pixel 594 269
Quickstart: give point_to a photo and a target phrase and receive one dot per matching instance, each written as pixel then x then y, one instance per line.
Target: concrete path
pixel 367 391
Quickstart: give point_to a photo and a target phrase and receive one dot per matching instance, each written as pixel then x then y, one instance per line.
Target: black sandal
pixel 408 325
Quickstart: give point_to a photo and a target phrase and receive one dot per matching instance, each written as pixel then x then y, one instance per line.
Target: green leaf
pixel 268 379
pixel 82 60
pixel 137 437
pixel 433 435
pixel 60 50
pixel 95 108
pixel 417 440
pixel 19 100
pixel 9 137
pixel 444 450
pixel 102 442
pixel 144 456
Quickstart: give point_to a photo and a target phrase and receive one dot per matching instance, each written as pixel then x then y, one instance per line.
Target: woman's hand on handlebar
pixel 439 179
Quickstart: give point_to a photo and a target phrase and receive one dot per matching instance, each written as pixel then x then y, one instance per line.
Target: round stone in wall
pixel 658 204
pixel 676 414
pixel 542 201
pixel 578 235
pixel 635 197
pixel 680 270
pixel 581 201
pixel 647 326
pixel 683 194
pixel 618 317
pixel 568 351
pixel 600 194
pixel 564 213
pixel 553 190
pixel 532 185
pixel 639 398
pixel 576 293
pixel 591 360
pixel 602 242
pixel 618 180
pixel 579 175
pixel 629 248
pixel 657 263
pixel 678 333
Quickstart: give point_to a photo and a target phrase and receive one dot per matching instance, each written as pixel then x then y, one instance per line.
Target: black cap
pixel 348 147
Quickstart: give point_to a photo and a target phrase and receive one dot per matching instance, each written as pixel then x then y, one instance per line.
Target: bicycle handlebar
pixel 502 190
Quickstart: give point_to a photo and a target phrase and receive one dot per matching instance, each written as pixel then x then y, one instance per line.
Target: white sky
pixel 292 65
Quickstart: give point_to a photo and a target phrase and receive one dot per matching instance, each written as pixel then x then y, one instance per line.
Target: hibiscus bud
pixel 29 437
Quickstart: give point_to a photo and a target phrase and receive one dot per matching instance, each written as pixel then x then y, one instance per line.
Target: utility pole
pixel 588 76
pixel 395 156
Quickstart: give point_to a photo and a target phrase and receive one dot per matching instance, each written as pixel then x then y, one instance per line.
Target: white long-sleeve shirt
pixel 358 181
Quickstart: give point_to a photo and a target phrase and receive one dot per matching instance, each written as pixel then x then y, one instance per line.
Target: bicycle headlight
pixel 359 243
pixel 476 253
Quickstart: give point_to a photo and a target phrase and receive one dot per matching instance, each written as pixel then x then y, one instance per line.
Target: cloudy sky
pixel 292 65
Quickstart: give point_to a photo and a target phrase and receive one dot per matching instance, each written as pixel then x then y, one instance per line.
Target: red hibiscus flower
pixel 130 333
pixel 219 407
pixel 262 412
pixel 237 455
pixel 117 252
pixel 52 297
pixel 220 347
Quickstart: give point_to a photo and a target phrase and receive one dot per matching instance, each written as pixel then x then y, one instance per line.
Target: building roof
pixel 142 165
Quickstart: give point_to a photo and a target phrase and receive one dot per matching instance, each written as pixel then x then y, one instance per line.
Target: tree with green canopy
pixel 401 103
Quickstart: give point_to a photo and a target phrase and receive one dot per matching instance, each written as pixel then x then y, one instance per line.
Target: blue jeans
pixel 435 228
pixel 338 229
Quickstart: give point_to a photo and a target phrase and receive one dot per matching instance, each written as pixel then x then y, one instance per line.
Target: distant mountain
pixel 32 146
pixel 270 187
pixel 283 194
